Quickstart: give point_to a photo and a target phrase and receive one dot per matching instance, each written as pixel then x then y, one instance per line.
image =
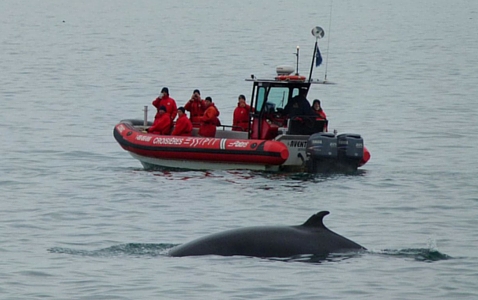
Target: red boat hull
pixel 215 150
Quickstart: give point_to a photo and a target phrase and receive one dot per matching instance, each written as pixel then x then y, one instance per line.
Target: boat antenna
pixel 297 61
pixel 328 41
pixel 319 33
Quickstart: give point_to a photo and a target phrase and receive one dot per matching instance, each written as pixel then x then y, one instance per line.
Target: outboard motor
pixel 322 152
pixel 350 150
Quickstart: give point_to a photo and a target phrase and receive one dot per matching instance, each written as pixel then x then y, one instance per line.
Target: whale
pixel 312 237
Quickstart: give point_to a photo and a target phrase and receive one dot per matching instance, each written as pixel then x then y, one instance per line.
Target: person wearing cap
pixel 196 107
pixel 162 124
pixel 164 100
pixel 241 118
pixel 209 120
pixel 183 126
pixel 317 108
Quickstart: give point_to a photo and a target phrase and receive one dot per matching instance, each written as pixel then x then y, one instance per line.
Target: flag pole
pixel 313 59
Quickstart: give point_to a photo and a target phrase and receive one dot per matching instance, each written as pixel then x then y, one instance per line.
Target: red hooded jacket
pixel 183 126
pixel 196 108
pixel 240 120
pixel 209 121
pixel 322 115
pixel 170 105
pixel 161 125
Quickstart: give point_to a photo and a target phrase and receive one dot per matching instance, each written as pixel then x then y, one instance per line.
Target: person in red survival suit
pixel 317 108
pixel 196 107
pixel 209 120
pixel 240 118
pixel 183 126
pixel 162 124
pixel 166 101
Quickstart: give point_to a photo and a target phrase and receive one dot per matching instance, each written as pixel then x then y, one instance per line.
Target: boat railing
pixel 145 121
pixel 137 122
pixel 231 127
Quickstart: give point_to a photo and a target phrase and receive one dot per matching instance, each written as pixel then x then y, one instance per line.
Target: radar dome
pixel 285 70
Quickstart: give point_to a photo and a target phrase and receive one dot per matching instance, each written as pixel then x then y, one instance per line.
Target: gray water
pixel 81 219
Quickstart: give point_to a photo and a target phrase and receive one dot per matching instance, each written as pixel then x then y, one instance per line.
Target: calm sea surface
pixel 81 219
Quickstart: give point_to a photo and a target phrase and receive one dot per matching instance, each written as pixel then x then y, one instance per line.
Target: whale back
pixel 312 237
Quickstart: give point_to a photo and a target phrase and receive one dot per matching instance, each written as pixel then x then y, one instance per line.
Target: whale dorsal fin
pixel 316 220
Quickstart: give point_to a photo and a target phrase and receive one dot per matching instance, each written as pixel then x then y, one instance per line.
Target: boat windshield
pixel 277 97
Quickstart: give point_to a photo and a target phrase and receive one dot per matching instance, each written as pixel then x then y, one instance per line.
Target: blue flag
pixel 318 57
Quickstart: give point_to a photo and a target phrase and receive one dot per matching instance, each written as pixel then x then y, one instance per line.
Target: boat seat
pixel 268 130
pixel 195 131
pixel 229 134
pixel 306 125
